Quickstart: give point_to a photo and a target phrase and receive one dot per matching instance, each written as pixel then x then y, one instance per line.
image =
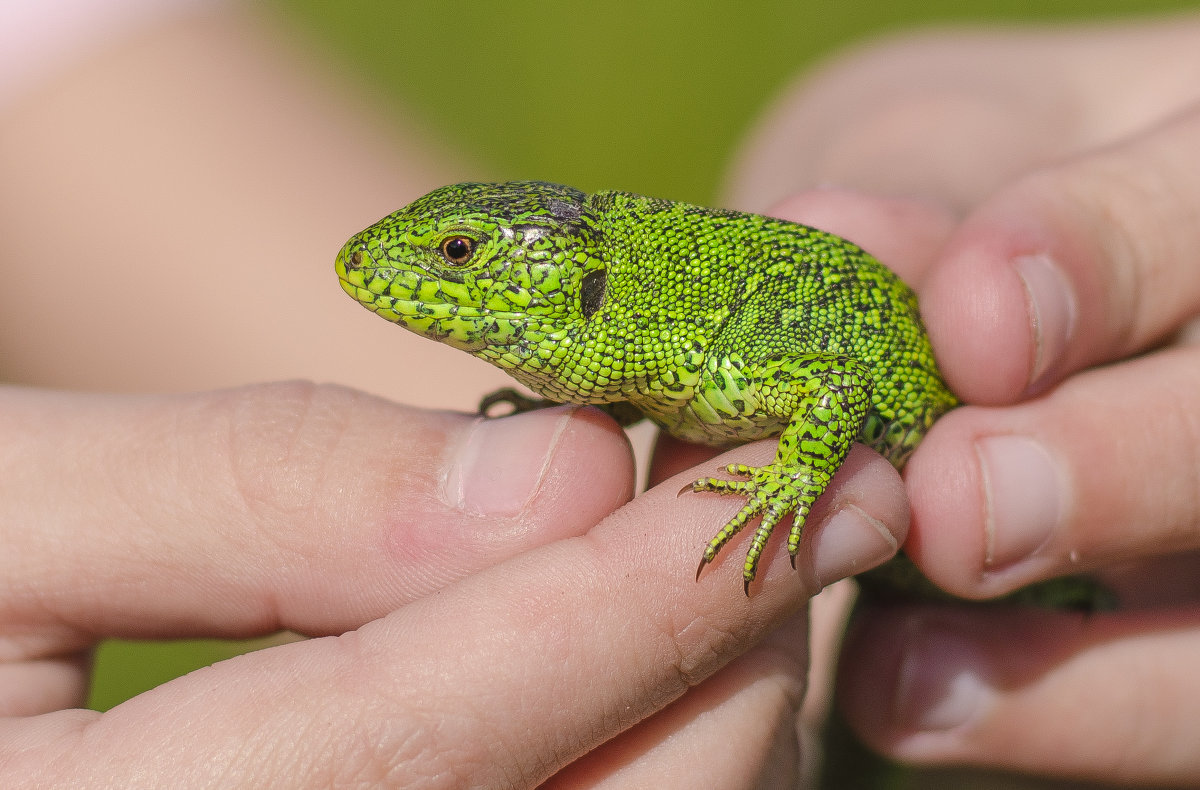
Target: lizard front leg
pixel 826 398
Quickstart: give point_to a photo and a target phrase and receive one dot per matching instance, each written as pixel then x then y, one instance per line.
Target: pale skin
pixel 566 613
pixel 1041 190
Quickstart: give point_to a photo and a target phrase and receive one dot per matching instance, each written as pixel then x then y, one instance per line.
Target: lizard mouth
pixel 422 304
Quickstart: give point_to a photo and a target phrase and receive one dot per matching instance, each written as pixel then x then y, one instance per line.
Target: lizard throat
pixel 508 339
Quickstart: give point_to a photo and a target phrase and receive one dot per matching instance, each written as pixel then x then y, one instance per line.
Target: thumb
pixel 311 508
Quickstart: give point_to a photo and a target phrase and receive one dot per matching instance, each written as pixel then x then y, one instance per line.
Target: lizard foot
pixel 508 401
pixel 771 493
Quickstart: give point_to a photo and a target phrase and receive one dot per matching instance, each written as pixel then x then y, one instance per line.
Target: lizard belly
pixel 721 408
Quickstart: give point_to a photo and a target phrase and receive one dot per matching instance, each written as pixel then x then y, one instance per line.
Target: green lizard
pixel 721 327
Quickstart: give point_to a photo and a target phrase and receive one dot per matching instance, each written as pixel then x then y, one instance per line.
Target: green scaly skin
pixel 721 327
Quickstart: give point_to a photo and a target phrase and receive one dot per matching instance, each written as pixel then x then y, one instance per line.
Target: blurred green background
pixel 647 96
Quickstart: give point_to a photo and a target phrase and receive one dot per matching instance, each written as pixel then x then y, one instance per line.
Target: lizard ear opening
pixel 591 292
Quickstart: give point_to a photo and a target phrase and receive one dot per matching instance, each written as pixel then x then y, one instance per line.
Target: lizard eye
pixel 458 249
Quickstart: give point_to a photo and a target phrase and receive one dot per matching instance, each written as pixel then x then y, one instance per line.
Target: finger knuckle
pixel 1136 209
pixel 280 439
pixel 391 737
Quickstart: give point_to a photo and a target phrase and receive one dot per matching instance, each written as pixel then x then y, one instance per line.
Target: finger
pixel 1005 496
pixel 1108 698
pixel 244 512
pixel 950 116
pixel 502 677
pixel 1169 581
pixel 1084 262
pixel 747 709
pixel 288 506
pixel 670 456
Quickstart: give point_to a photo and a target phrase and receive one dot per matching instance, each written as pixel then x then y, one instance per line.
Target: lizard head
pixel 499 267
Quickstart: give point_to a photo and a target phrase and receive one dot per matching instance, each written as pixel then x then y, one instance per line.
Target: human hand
pixel 1054 230
pixel 480 631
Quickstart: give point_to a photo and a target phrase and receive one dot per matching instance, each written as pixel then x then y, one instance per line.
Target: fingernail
pixel 1023 497
pixel 942 683
pixel 501 462
pixel 849 542
pixel 1052 308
